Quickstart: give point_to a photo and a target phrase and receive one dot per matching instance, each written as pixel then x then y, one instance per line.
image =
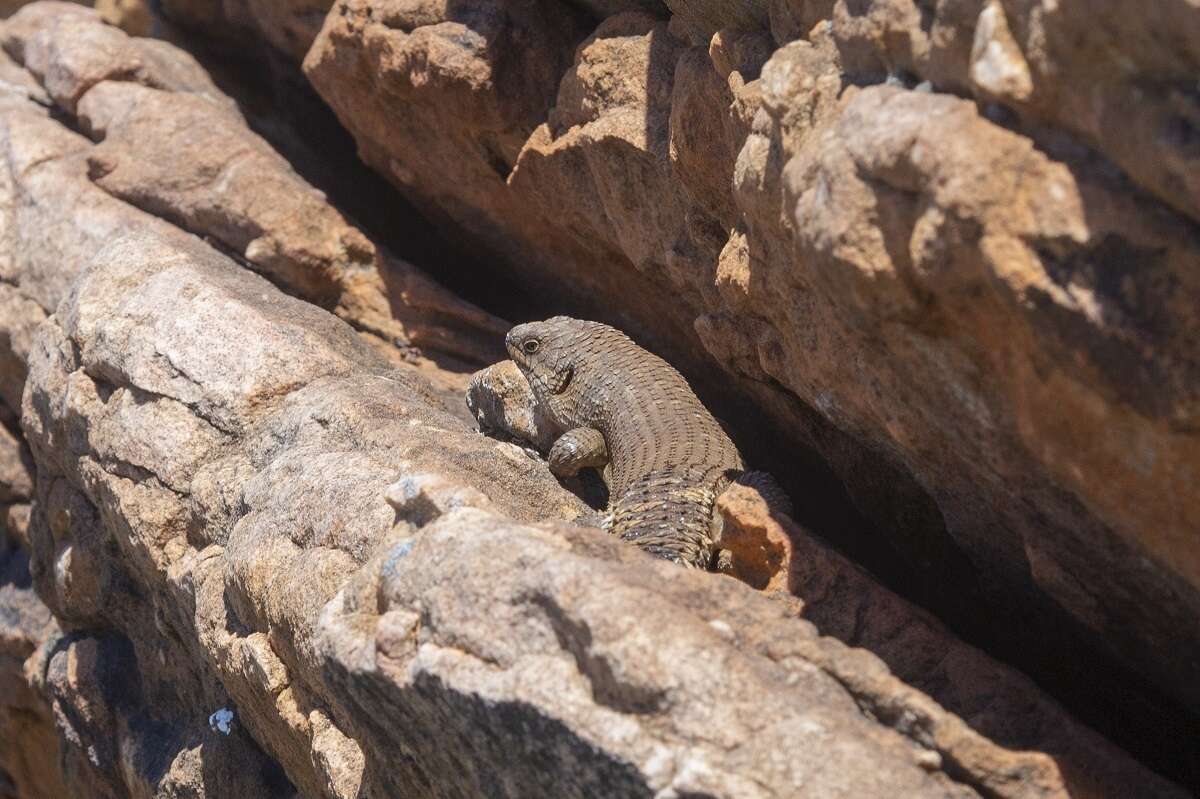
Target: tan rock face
pixel 1118 76
pixel 278 560
pixel 169 143
pixel 272 566
pixel 992 302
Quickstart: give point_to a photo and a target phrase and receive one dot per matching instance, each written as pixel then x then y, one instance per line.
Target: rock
pixel 28 744
pixel 21 317
pixel 503 402
pixel 1011 347
pixel 287 27
pixel 759 547
pixel 187 156
pixel 69 50
pixel 990 322
pixel 132 16
pixel 700 19
pixel 16 479
pixel 1124 86
pixel 306 425
pixel 29 747
pixel 846 603
pixel 766 549
pixel 279 564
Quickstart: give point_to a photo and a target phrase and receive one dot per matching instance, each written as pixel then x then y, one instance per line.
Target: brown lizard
pixel 624 407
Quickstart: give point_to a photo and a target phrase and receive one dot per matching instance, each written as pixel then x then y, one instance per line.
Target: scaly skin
pixel 668 456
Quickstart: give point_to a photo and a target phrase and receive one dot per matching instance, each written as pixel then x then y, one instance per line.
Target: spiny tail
pixel 668 513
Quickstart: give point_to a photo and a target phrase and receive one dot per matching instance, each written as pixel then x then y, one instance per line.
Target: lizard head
pixel 545 352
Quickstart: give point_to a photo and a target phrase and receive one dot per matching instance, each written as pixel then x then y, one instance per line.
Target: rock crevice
pixel 273 555
pixel 895 247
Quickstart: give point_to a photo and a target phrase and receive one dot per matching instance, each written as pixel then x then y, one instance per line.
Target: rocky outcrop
pixel 915 238
pixel 273 555
pixel 767 549
pixel 241 510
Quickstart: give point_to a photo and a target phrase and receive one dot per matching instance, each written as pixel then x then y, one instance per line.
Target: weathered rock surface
pixel 279 561
pixel 28 744
pixel 339 620
pixel 768 550
pixel 980 305
pixel 186 155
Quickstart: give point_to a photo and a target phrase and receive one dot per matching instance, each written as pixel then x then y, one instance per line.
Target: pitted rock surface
pixel 976 301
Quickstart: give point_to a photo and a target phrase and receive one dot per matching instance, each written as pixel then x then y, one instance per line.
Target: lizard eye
pixel 531 346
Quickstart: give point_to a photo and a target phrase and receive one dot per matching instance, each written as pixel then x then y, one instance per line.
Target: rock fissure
pixel 296 483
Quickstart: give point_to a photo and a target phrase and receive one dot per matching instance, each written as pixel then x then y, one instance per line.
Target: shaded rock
pixel 766 549
pixel 29 747
pixel 21 317
pixel 28 744
pixel 989 282
pixel 297 580
pixel 288 27
pixel 168 449
pixel 284 567
pixel 16 479
pixel 774 553
pixel 487 104
pixel 700 19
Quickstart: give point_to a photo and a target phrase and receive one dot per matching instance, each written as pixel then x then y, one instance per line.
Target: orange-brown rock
pixel 773 553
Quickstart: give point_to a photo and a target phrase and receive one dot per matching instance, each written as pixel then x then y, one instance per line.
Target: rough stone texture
pixel 760 549
pixel 29 767
pixel 1118 76
pixel 846 603
pixel 278 564
pixel 980 309
pixel 700 19
pixel 287 27
pixel 28 745
pixel 339 620
pixel 205 171
pixel 302 606
pixel 769 551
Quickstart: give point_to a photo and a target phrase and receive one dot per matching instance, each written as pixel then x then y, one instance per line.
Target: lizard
pixel 630 413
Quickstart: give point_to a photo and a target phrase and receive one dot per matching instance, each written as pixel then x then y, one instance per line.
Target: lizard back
pixel 669 457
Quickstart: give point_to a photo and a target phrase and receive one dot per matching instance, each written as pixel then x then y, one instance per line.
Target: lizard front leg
pixel 577 449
